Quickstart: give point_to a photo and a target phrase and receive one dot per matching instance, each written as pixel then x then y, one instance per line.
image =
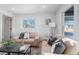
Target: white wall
pixel 40 25
pixel 59 18
pixel 76 15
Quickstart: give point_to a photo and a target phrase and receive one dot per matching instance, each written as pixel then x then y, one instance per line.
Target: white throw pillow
pixel 26 35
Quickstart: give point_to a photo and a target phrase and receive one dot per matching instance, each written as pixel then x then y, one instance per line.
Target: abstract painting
pixel 28 23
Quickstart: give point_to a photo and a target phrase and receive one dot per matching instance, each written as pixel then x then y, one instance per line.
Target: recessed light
pixel 12 9
pixel 44 6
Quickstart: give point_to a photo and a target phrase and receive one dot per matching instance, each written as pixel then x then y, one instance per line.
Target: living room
pixel 25 23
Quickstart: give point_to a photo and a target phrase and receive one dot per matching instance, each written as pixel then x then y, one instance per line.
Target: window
pixel 69 23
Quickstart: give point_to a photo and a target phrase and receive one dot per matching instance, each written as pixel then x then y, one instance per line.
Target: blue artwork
pixel 28 23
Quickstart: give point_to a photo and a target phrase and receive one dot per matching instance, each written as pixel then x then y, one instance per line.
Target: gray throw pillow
pixel 59 47
pixel 21 35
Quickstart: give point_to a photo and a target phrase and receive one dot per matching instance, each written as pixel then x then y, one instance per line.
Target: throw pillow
pixel 51 40
pixel 26 36
pixel 59 47
pixel 21 35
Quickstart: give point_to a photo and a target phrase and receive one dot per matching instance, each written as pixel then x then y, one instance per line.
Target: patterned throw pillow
pixel 51 40
pixel 21 35
pixel 59 47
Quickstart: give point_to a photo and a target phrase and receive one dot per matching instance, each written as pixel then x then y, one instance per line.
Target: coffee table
pixel 15 49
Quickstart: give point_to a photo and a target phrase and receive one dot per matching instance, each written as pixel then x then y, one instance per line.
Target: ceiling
pixel 29 8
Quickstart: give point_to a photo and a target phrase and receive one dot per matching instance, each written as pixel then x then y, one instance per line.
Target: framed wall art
pixel 28 23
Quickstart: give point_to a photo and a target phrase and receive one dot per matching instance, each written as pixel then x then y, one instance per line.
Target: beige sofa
pixel 33 40
pixel 72 47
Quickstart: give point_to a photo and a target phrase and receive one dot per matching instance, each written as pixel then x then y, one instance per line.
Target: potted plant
pixel 6 43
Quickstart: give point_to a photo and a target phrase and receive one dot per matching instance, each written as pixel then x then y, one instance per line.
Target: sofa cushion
pixel 72 46
pixel 45 47
pixel 32 34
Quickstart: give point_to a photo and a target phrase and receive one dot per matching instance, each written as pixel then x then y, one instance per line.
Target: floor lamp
pixel 52 26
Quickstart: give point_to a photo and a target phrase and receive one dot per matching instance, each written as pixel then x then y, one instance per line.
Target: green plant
pixel 6 42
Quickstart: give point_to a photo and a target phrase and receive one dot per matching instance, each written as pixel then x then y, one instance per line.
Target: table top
pixel 12 48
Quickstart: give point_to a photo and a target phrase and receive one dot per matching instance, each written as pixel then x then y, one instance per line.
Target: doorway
pixel 7 27
pixel 68 30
